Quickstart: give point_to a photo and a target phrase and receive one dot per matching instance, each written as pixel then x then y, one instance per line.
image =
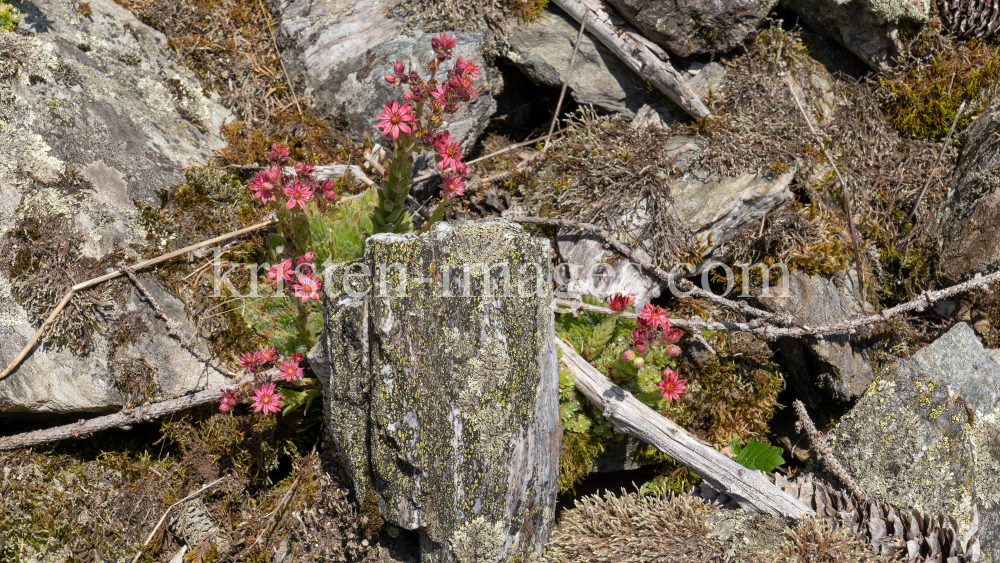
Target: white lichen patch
pixel 10 313
pixel 156 95
pixel 985 439
pixel 477 541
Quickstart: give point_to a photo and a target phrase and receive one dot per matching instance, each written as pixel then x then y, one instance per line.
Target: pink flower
pixel 265 399
pixel 639 334
pixel 252 361
pixel 655 316
pixel 451 185
pixel 298 357
pixel 265 184
pixel 269 355
pixel 672 336
pixel 448 151
pixel 640 346
pixel 228 400
pixel 307 288
pixel 468 67
pixel 395 119
pixel 282 269
pixel 619 302
pixel 443 42
pixel 461 169
pixel 298 194
pixel 398 67
pixel 304 263
pixel 439 93
pixel 328 189
pixel 279 154
pixel 464 85
pixel 290 371
pixel 670 386
pixel 304 170
pixel 673 350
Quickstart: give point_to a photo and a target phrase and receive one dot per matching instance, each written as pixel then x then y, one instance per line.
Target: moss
pixel 9 17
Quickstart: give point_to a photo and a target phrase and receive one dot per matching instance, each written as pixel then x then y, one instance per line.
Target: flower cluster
pixel 274 185
pixel 304 285
pixel 416 127
pixel 262 394
pixel 652 329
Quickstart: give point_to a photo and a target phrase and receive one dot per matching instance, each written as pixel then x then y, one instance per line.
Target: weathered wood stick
pixel 751 489
pixel 644 57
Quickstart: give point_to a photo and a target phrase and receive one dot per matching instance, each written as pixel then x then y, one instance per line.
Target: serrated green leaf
pixel 735 446
pixel 758 455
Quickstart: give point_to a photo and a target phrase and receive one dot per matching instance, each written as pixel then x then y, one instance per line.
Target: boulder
pixel 695 28
pixel 968 218
pixel 828 369
pixel 441 387
pixel 95 115
pixel 339 53
pixel 869 29
pixel 926 435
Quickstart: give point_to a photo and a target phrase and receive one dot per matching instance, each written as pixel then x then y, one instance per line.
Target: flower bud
pixel 640 346
pixel 398 67
pixel 639 362
pixel 628 355
pixel 673 350
pixel 390 79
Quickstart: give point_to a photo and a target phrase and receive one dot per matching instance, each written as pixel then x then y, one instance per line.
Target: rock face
pixel 692 28
pixel 927 433
pixel 831 369
pixel 443 398
pixel 94 114
pixel 969 217
pixel 869 29
pixel 341 51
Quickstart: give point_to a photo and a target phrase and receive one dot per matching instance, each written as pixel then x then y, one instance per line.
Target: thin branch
pixel 944 149
pixel 156 528
pixel 274 42
pixel 843 187
pixel 569 72
pixel 824 451
pixel 498 152
pixel 99 280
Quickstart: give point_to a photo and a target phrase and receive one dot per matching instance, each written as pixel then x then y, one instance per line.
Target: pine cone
pixel 888 532
pixel 970 18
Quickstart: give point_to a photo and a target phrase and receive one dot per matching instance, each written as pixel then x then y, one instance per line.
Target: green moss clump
pixel 9 17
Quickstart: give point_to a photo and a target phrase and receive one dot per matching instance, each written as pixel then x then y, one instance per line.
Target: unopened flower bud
pixel 390 79
pixel 639 362
pixel 628 355
pixel 398 67
pixel 640 346
pixel 673 350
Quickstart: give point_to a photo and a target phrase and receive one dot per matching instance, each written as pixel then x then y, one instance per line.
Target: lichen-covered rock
pixel 827 369
pixel 868 28
pixel 340 52
pixel 926 435
pixel 442 388
pixel 94 116
pixel 969 217
pixel 693 28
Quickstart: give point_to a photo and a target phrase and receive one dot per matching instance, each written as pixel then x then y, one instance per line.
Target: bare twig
pixel 824 451
pixel 125 417
pixel 277 52
pixel 944 148
pixel 173 327
pixel 498 152
pixel 843 186
pixel 569 72
pixel 99 280
pixel 156 528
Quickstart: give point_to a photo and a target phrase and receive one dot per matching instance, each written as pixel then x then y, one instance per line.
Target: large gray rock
pixel 868 28
pixel 691 28
pixel 969 216
pixel 92 118
pixel 831 369
pixel 441 387
pixel 341 51
pixel 926 435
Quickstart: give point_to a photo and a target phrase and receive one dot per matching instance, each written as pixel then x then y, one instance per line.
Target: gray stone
pixel 341 51
pixel 926 435
pixel 831 369
pixel 84 94
pixel 693 28
pixel 868 28
pixel 968 218
pixel 443 398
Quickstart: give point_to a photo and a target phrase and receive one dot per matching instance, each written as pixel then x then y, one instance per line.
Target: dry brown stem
pixel 824 451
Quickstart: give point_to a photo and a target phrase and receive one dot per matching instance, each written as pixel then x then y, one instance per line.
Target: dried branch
pixel 824 451
pixel 930 176
pixel 274 42
pixel 569 72
pixel 99 280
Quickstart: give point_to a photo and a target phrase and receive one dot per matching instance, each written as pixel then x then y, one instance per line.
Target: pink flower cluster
pixel 433 101
pixel 262 394
pixel 274 185
pixel 653 327
pixel 304 284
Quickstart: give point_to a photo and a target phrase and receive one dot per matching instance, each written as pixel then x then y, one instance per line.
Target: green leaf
pixel 294 400
pixel 735 446
pixel 599 338
pixel 758 455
